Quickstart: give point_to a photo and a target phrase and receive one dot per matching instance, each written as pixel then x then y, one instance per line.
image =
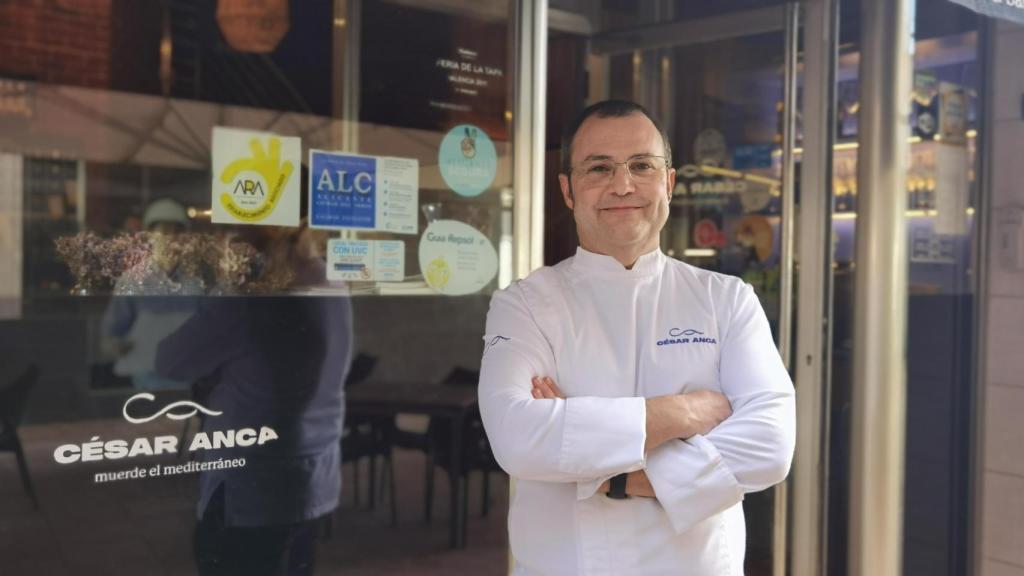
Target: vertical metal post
pixel 345 84
pixel 531 25
pixel 982 228
pixel 880 324
pixel 530 46
pixel 789 103
pixel 813 358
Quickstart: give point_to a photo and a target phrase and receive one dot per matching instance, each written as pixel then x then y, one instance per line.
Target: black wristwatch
pixel 617 487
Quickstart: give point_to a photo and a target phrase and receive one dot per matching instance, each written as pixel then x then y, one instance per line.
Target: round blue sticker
pixel 467 160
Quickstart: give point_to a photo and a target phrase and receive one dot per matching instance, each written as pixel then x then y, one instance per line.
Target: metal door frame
pixel 805 515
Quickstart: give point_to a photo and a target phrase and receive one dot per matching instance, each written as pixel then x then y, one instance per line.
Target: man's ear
pixel 566 186
pixel 671 183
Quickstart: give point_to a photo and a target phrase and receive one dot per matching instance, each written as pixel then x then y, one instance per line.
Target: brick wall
pixel 1002 522
pixel 56 41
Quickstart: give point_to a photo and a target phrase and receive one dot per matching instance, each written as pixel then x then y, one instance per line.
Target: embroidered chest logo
pixel 687 336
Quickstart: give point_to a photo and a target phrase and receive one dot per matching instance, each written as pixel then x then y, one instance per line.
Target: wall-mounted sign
pixel 455 74
pixel 255 178
pixel 1012 10
pixel 349 191
pixel 456 258
pixel 706 234
pixel 953 105
pixel 366 260
pixel 747 156
pixel 467 160
pixel 926 247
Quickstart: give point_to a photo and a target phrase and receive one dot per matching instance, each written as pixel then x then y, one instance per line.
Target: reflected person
pixel 274 361
pixel 150 301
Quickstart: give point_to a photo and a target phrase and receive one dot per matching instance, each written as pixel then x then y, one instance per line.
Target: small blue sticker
pixel 467 160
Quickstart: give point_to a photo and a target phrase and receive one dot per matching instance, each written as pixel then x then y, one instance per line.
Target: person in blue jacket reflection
pixel 269 361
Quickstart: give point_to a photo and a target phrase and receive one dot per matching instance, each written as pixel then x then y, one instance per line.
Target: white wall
pixel 1002 513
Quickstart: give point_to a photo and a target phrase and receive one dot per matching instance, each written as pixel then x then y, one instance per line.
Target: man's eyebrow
pixel 608 157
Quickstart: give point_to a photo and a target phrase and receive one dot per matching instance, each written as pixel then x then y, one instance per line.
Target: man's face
pixel 620 214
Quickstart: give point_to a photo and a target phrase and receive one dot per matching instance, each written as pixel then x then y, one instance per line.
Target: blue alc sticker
pixel 343 191
pixel 468 160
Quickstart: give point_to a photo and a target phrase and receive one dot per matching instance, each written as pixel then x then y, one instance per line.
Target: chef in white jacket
pixel 634 398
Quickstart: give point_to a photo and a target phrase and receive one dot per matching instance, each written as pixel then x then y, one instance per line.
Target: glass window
pixel 247 250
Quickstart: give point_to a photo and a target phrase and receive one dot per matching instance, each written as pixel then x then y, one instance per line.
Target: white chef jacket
pixel 611 337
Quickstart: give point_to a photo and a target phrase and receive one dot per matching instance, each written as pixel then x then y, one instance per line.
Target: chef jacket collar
pixel 648 264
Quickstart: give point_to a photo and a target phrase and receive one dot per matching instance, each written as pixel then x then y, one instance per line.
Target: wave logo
pixel 191 409
pixel 688 336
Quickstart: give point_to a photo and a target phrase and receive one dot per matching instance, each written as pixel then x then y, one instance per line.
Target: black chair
pixel 476 456
pixel 368 437
pixel 12 405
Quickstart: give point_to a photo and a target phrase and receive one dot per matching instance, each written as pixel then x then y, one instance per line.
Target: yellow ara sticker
pixel 252 199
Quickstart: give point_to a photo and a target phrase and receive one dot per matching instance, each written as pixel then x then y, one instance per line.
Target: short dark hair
pixel 607 109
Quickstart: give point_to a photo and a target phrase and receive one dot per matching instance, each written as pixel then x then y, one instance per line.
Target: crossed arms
pixel 697 459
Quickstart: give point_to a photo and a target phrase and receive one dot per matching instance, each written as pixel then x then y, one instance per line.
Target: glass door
pixel 720 87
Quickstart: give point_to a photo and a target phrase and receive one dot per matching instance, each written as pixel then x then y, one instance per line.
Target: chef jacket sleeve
pixel 752 449
pixel 560 440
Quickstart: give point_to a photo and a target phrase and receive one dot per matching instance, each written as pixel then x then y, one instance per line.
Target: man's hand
pixel 684 415
pixel 544 387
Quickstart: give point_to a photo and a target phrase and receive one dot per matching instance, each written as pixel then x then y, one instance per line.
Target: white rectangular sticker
pixel 354 192
pixel 366 260
pixel 255 178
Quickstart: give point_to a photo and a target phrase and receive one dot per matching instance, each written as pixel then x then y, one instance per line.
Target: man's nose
pixel 622 181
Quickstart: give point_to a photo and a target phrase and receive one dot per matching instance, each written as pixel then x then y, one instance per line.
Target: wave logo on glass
pixel 192 409
pixel 687 336
pixel 256 182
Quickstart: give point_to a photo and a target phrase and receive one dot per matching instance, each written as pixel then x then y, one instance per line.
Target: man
pixel 279 361
pixel 620 372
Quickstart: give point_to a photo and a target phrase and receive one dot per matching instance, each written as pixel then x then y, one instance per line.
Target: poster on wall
pixel 456 258
pixel 366 260
pixel 350 191
pixel 430 69
pixel 255 178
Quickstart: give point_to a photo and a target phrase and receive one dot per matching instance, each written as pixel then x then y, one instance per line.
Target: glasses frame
pixel 615 166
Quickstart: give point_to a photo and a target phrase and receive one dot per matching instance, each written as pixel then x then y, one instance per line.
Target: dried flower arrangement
pixel 146 263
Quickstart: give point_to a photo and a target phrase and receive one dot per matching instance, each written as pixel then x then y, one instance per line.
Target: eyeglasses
pixel 642 169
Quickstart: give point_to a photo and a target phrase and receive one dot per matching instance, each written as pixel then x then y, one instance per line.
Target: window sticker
pixel 139 410
pixel 349 191
pixel 456 258
pixel 365 260
pixel 255 178
pixel 468 160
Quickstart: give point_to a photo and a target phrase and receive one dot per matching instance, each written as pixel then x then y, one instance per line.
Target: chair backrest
pixel 14 397
pixel 460 376
pixel 362 366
